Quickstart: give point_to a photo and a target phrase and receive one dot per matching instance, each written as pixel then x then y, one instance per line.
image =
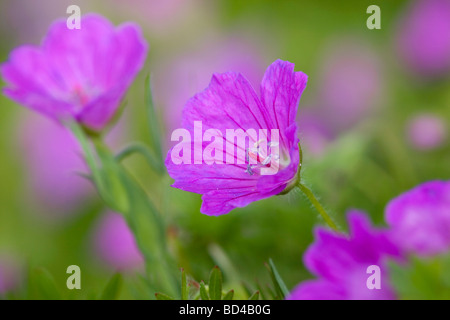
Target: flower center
pixel 264 156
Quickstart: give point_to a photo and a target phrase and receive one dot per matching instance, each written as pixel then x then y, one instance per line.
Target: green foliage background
pixel 364 168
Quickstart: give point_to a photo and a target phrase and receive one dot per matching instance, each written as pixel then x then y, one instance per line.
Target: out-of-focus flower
pixel 81 74
pixel 423 38
pixel 230 102
pixel 426 131
pixel 115 244
pixel 53 161
pixel 314 133
pixel 341 263
pixel 9 274
pixel 350 85
pixel 53 164
pixel 420 218
pixel 350 92
pixel 182 77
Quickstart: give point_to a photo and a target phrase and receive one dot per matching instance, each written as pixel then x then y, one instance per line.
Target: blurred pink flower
pixel 350 84
pixel 423 37
pixel 52 158
pixel 10 273
pixel 313 132
pixel 350 92
pixel 81 74
pixel 426 131
pixel 115 244
pixel 420 218
pixel 53 161
pixel 341 263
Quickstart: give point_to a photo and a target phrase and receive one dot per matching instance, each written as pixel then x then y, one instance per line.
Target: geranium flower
pixel 81 74
pixel 342 262
pixel 115 244
pixel 230 102
pixel 420 218
pixel 423 37
pixel 419 222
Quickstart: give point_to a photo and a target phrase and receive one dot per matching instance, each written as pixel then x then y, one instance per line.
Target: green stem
pixel 318 206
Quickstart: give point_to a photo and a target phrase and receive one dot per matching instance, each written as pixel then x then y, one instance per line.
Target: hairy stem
pixel 318 206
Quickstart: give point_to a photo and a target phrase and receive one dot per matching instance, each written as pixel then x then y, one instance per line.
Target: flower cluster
pixel 419 223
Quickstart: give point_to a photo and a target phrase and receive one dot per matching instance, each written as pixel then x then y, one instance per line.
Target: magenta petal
pixel 281 89
pixel 229 102
pixel 341 262
pixel 420 218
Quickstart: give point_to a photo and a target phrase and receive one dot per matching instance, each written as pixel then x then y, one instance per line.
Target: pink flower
pixel 53 164
pixel 10 273
pixel 341 263
pixel 230 102
pixel 426 132
pixel 420 218
pixel 115 244
pixel 423 38
pixel 419 222
pixel 81 74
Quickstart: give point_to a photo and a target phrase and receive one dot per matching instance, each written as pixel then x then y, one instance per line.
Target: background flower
pixel 426 131
pixel 341 263
pixel 423 38
pixel 420 218
pixel 115 245
pixel 77 73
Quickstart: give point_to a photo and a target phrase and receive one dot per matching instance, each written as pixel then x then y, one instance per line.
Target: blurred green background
pixel 361 164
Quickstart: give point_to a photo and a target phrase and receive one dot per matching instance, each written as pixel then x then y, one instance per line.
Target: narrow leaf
pixel 215 284
pixel 44 285
pixel 113 288
pixel 203 292
pixel 279 281
pixel 254 296
pixel 229 295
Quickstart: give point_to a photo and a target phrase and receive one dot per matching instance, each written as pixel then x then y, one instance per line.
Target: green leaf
pixel 215 284
pixel 248 290
pixel 203 292
pixel 254 296
pixel 43 285
pixel 162 296
pixel 261 291
pixel 280 287
pixel 184 286
pixel 229 295
pixel 113 288
pixel 123 194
